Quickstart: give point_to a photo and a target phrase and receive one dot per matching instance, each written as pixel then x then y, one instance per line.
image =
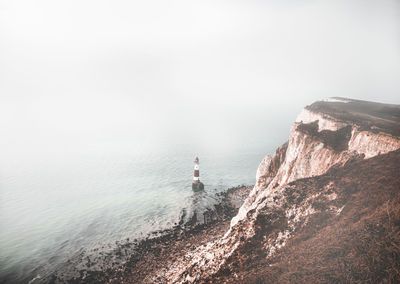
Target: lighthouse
pixel 197 185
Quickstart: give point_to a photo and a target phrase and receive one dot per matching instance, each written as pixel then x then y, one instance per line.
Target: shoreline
pixel 144 261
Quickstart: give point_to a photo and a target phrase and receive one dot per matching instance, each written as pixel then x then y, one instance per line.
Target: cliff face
pixel 339 227
pixel 326 135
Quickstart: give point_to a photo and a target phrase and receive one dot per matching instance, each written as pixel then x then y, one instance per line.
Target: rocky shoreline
pixel 148 260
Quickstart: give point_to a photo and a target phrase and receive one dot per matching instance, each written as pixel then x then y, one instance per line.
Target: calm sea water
pixel 53 207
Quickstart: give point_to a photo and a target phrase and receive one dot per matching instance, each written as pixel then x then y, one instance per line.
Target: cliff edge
pixel 320 181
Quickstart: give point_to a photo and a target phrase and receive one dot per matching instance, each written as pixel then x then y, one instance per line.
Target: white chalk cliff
pixel 325 134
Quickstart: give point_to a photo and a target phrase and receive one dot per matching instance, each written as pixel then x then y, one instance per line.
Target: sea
pixel 60 203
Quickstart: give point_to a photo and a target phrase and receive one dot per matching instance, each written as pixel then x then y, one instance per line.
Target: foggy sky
pixel 91 72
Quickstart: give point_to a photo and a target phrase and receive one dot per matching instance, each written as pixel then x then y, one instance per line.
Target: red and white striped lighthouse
pixel 196 175
pixel 197 184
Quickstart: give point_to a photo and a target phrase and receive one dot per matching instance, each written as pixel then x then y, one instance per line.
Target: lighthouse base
pixel 197 186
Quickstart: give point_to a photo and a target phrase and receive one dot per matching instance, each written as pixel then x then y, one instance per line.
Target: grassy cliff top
pixel 371 116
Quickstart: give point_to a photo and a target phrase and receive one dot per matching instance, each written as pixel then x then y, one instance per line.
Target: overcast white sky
pixel 148 70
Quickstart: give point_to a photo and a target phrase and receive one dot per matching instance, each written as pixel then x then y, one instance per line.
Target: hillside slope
pixel 349 230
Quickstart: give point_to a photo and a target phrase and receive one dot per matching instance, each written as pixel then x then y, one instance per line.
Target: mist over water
pixel 62 195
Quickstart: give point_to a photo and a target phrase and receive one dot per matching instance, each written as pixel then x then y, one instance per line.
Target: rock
pixel 197 186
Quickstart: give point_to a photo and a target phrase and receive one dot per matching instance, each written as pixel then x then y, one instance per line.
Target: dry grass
pixel 359 245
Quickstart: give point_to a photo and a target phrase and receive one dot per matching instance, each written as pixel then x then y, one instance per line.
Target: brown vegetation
pixel 336 140
pixel 357 243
